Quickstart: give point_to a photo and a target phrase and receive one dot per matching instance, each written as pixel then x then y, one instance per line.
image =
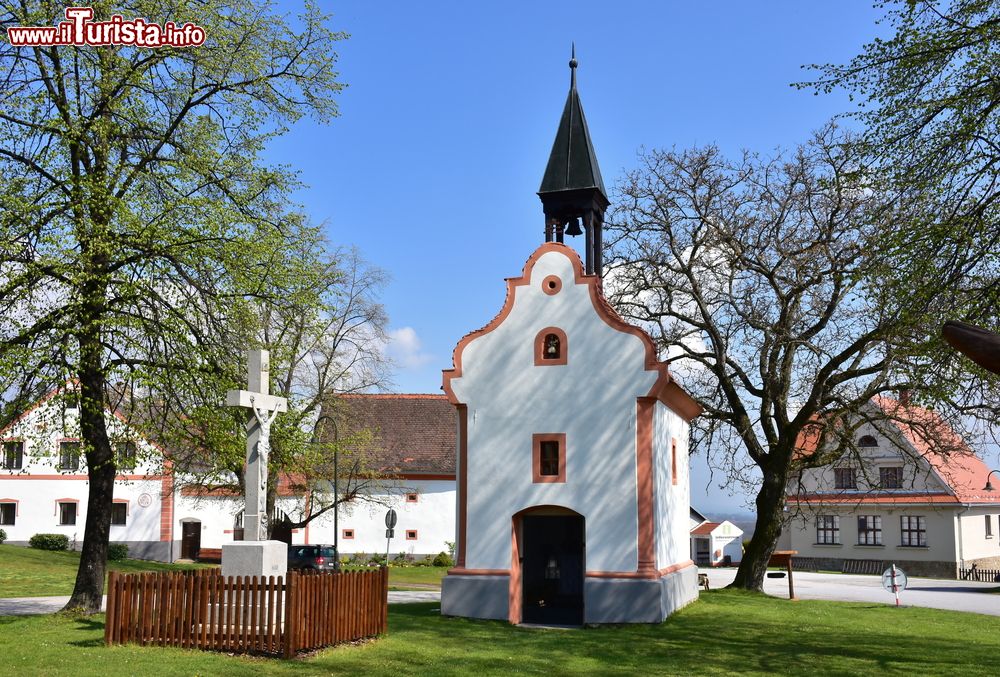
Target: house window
pixel 890 477
pixel 550 347
pixel 827 529
pixel 126 456
pixel 869 530
pixel 844 478
pixel 913 530
pixel 412 498
pixel 13 455
pixel 867 441
pixel 119 513
pixel 411 534
pixel 347 534
pixel 989 526
pixel 8 513
pixel 67 513
pixel 69 455
pixel 548 463
pixel 673 461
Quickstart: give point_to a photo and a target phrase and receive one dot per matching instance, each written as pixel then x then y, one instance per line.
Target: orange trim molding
pixel 462 571
pixel 644 482
pixel 347 534
pixel 540 359
pixel 551 285
pixel 652 574
pixel 16 502
pixel 536 458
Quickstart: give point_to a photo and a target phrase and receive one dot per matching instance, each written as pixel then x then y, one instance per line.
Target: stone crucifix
pixel 264 407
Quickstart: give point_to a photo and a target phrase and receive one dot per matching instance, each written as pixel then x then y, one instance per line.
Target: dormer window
pixel 867 441
pixel 550 347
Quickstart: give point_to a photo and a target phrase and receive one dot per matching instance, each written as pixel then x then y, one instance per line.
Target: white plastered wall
pixel 671 500
pixel 592 399
pixel 40 485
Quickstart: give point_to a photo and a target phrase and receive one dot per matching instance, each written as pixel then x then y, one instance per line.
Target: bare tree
pixel 759 280
pixel 326 337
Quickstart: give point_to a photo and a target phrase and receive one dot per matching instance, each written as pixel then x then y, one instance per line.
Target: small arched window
pixel 867 441
pixel 550 347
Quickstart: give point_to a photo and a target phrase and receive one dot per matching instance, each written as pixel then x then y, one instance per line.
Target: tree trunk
pixel 770 504
pixel 89 587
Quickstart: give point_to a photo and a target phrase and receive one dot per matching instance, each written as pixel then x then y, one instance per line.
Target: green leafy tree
pixel 928 100
pixel 138 224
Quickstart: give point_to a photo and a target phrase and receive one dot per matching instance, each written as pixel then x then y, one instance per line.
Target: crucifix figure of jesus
pixel 264 407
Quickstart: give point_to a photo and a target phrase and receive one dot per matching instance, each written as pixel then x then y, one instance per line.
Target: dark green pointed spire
pixel 572 189
pixel 572 163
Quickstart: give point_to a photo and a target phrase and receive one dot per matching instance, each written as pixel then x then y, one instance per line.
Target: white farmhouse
pixel 572 445
pixel 900 500
pixel 44 485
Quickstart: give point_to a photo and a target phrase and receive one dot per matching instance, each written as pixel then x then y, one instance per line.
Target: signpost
pixel 390 531
pixel 894 580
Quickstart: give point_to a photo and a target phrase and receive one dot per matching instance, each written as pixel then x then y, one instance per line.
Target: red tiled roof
pixel 413 433
pixel 956 464
pixel 704 529
pixel 952 460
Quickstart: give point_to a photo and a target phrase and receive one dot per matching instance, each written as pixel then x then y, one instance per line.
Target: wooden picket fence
pixel 204 610
pixel 977 574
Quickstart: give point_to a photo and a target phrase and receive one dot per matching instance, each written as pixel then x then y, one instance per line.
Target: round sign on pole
pixel 390 519
pixel 894 584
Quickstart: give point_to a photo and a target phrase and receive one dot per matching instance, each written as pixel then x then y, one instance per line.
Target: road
pixel 925 592
pixel 28 606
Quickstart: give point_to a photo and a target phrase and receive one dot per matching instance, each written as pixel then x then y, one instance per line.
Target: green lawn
pixel 26 572
pixel 724 633
pixel 416 577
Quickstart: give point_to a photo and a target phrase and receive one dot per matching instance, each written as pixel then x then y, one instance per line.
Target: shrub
pixel 3 536
pixel 377 560
pixel 49 541
pixel 442 559
pixel 117 552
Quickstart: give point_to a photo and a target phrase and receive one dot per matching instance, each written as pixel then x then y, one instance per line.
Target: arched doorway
pixel 548 564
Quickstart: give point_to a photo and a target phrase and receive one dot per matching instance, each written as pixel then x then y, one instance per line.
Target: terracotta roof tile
pixel 413 433
pixel 704 529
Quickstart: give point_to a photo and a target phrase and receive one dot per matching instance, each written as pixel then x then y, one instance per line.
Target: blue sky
pixel 451 110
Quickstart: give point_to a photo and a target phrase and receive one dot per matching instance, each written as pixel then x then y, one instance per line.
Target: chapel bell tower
pixel 572 191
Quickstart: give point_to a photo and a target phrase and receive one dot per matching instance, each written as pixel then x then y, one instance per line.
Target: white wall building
pixel 897 501
pixel 414 439
pixel 716 543
pixel 44 485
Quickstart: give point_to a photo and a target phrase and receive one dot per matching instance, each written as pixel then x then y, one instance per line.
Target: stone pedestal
pixel 254 558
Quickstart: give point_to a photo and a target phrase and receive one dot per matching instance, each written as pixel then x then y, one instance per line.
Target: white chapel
pixel 573 493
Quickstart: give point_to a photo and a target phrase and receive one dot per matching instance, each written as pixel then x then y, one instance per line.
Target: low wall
pixel 911 567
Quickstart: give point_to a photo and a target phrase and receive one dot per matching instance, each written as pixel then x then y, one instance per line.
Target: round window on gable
pixel 867 441
pixel 551 285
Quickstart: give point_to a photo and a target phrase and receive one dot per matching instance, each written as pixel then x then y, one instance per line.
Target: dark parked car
pixel 319 557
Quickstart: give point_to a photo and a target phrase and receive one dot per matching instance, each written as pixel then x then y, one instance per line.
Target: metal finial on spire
pixel 572 67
